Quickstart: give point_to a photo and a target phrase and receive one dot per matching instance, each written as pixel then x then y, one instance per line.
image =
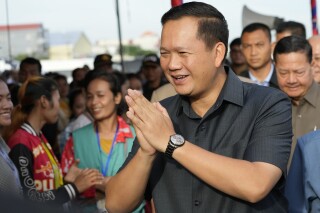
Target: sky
pixel 97 18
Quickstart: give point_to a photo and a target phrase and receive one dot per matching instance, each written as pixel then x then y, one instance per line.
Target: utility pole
pixel 120 38
pixel 8 33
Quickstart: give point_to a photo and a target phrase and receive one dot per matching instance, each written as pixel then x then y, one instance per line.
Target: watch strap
pixel 169 150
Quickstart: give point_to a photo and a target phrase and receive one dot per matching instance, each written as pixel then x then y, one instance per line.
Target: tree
pixel 135 50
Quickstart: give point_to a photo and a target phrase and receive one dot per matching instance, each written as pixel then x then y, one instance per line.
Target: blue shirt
pixel 303 181
pixel 9 178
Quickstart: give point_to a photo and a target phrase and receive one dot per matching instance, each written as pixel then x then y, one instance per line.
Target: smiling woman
pixel 9 179
pixel 103 144
pixel 39 169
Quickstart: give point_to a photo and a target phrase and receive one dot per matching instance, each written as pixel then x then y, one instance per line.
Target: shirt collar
pixel 27 127
pixel 312 94
pixel 232 91
pixel 266 81
pixel 124 131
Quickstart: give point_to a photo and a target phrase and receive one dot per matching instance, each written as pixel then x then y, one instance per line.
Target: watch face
pixel 177 140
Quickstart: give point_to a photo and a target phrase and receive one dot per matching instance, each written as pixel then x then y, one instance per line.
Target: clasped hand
pixel 151 121
pixel 83 178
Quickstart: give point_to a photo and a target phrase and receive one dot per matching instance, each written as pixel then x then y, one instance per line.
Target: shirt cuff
pixel 72 190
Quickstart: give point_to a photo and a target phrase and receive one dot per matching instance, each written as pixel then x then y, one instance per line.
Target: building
pixel 110 46
pixel 23 39
pixel 69 46
pixel 148 41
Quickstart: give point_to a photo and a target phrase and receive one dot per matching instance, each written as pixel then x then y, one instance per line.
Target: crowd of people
pixel 192 131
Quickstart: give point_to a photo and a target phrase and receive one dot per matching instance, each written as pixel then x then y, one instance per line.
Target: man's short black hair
pixel 30 60
pixel 295 28
pixel 291 44
pixel 212 26
pixel 257 26
pixel 234 42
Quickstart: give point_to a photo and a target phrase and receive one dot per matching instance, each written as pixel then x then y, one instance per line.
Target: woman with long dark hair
pixel 39 170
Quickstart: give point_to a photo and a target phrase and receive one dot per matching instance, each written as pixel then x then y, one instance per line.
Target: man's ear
pixel 219 50
pixel 117 98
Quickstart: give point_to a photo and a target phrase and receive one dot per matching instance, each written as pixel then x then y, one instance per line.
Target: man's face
pixel 135 84
pixel 315 43
pixel 256 48
pixel 80 74
pixel 28 70
pixel 188 65
pixel 294 74
pixel 63 88
pixel 236 55
pixel 152 72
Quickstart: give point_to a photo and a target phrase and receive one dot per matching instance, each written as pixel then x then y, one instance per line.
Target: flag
pixel 314 17
pixel 176 2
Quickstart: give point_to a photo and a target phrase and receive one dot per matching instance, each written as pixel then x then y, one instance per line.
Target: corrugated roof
pixel 20 27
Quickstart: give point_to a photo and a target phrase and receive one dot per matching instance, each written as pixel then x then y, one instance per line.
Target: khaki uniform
pixel 306 116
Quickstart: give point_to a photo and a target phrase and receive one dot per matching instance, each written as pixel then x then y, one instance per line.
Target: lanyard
pixel 56 170
pixel 106 167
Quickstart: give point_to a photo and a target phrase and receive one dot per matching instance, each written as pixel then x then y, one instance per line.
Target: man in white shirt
pixel 256 47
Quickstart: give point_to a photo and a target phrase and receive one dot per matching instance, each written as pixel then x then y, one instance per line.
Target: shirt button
pixel 197 203
pixel 202 128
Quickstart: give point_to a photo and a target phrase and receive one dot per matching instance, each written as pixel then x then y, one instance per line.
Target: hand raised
pixel 152 120
pixel 144 145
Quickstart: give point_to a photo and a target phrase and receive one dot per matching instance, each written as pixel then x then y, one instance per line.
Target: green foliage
pixel 134 50
pixel 20 57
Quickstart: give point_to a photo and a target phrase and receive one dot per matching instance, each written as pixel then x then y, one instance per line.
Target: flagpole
pixel 314 17
pixel 175 3
pixel 120 37
pixel 8 33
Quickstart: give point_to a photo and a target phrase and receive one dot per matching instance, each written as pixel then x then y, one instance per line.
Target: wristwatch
pixel 175 141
